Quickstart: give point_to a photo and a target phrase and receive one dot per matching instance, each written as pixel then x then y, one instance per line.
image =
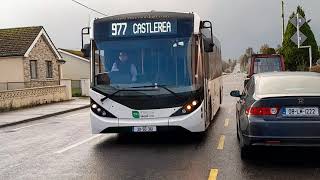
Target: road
pixel 63 147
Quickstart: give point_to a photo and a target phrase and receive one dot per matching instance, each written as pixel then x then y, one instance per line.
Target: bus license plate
pixel 302 112
pixel 145 129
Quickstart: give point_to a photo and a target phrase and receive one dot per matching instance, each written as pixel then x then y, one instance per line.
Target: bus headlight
pixel 94 106
pixel 188 108
pixel 100 111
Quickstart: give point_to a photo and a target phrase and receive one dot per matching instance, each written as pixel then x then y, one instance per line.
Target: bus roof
pixel 147 15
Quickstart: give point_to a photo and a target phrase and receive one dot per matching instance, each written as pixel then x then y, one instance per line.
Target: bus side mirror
pixel 208 46
pixel 86 50
pixel 208 42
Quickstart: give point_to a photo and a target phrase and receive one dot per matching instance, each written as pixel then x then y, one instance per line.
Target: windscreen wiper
pixel 107 96
pixel 161 86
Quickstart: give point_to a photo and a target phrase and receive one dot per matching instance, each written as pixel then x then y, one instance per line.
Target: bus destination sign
pixel 145 28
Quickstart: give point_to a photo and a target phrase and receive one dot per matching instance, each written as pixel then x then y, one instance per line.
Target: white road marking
pixel 72 115
pixel 27 126
pixel 77 144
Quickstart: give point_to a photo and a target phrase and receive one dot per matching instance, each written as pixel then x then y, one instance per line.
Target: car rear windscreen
pixel 288 85
pixel 269 64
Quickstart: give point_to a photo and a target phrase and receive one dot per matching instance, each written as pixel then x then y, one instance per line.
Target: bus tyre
pixel 199 135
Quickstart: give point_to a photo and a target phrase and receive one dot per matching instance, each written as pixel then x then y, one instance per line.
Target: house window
pixel 33 69
pixel 49 69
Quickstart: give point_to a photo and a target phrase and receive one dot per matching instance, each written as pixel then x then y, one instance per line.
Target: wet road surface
pixel 63 147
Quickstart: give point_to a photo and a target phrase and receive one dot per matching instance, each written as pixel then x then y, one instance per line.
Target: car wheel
pixel 221 96
pixel 238 137
pixel 245 152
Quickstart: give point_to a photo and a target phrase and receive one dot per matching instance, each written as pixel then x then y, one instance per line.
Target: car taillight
pixel 262 111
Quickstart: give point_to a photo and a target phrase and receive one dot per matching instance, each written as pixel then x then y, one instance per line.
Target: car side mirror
pixel 235 93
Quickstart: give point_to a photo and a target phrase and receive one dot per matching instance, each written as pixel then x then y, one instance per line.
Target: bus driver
pixel 123 65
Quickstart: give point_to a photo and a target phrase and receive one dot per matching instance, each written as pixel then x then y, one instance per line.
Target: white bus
pixel 154 72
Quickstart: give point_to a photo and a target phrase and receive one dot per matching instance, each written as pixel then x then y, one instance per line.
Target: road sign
pixel 301 21
pixel 294 38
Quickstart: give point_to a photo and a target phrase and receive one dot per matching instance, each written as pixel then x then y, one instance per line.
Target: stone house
pixel 28 58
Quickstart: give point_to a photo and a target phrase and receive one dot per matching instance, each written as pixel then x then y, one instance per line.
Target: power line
pixel 89 8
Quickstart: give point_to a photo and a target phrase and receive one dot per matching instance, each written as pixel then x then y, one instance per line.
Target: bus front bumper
pixel 193 122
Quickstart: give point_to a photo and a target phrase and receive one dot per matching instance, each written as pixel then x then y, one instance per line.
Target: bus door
pixel 203 67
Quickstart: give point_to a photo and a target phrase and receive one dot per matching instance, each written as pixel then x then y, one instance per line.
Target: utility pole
pixel 282 14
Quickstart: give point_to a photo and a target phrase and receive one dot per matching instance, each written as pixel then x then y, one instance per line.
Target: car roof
pixel 286 73
pixel 259 78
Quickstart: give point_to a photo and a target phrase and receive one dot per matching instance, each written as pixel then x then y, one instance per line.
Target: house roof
pixel 20 41
pixel 74 53
pixel 16 41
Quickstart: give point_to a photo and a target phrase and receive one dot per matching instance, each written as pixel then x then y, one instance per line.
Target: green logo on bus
pixel 135 114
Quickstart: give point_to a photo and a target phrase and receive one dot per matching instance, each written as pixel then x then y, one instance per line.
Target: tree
pixel 249 51
pixel 298 59
pixel 265 49
pixel 244 60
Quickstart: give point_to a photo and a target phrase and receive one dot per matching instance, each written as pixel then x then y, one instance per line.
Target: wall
pixel 85 87
pixel 11 69
pixel 67 83
pixel 15 99
pixel 75 68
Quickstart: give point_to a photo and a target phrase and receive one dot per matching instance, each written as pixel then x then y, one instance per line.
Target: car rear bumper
pixel 282 133
pixel 281 141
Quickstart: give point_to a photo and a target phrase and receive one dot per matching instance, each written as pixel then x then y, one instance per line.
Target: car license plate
pixel 145 129
pixel 302 112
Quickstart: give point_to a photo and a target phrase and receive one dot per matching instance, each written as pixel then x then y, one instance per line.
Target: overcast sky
pixel 237 23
